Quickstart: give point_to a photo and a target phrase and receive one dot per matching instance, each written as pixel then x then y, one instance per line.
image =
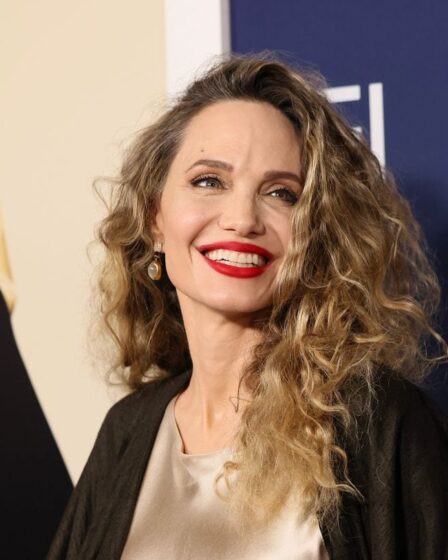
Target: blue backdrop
pixel 401 44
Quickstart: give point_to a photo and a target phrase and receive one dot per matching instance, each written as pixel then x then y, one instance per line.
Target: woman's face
pixel 232 185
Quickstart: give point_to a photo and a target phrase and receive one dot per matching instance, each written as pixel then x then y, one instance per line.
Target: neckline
pixel 180 443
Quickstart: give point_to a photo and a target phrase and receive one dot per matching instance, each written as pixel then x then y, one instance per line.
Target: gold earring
pixel 155 266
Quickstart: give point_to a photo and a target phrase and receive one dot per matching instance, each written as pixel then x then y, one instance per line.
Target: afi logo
pixel 376 113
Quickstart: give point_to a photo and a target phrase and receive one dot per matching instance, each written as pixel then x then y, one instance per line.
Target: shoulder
pixel 401 436
pixel 400 405
pixel 128 407
pixel 393 401
pixel 127 410
pixel 123 418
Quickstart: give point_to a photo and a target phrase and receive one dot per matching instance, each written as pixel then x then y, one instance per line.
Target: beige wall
pixel 77 78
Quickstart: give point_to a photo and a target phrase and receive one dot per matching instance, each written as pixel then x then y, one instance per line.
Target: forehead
pixel 243 133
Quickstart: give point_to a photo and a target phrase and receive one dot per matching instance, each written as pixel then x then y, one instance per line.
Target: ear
pixel 156 226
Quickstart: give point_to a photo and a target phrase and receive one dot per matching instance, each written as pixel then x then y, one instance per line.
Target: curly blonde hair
pixel 356 292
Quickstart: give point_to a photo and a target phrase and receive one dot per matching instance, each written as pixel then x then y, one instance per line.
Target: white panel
pixel 195 32
pixel 376 112
pixel 343 93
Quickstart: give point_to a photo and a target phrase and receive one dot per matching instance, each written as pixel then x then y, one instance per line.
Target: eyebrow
pixel 268 175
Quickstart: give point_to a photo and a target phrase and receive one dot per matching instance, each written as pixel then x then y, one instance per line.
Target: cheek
pixel 183 224
pixel 283 227
pixel 285 236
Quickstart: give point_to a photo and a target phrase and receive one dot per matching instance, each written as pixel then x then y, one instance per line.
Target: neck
pixel 219 347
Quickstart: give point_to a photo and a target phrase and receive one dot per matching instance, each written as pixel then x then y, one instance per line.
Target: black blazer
pixel 400 466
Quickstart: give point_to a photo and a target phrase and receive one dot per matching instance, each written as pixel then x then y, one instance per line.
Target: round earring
pixel 155 266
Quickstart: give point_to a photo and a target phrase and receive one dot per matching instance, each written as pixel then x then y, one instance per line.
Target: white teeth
pixel 236 258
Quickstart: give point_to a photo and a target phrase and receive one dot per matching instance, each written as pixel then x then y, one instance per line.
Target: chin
pixel 233 307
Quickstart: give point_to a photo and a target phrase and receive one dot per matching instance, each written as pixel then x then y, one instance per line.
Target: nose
pixel 240 213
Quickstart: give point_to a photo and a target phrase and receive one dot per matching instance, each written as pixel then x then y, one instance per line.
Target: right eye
pixel 213 179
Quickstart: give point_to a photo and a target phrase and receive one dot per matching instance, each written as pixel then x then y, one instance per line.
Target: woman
pixel 271 302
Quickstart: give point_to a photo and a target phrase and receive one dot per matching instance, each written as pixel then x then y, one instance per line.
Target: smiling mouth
pixel 236 258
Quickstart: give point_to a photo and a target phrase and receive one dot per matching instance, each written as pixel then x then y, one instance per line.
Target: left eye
pixel 286 195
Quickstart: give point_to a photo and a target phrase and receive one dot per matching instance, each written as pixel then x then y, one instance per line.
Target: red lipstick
pixel 236 271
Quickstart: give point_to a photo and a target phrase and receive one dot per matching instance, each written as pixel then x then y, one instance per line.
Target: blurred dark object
pixel 35 482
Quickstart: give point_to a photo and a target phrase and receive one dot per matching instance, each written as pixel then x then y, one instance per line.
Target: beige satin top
pixel 179 516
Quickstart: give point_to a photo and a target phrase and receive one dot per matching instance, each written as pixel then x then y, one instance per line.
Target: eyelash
pixel 292 200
